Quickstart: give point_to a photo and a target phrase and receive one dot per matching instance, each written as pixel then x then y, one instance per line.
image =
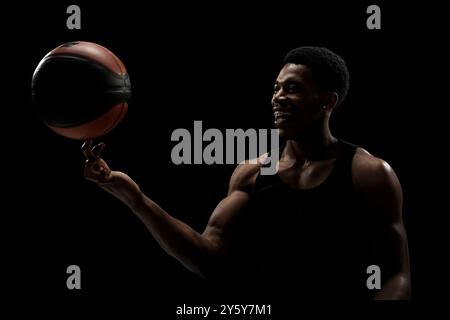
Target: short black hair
pixel 329 69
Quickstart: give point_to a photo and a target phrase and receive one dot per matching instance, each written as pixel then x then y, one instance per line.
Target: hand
pixel 117 183
pixel 95 168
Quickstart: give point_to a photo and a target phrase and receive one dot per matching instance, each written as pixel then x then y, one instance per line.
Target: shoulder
pixel 245 174
pixel 368 170
pixel 374 177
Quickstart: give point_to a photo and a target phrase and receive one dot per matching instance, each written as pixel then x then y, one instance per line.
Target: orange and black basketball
pixel 81 90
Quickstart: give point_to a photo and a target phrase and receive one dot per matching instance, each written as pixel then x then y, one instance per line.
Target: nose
pixel 278 98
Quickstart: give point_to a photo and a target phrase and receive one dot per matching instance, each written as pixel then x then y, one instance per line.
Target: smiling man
pixel 332 211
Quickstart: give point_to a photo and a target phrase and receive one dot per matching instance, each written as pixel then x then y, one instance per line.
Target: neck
pixel 316 144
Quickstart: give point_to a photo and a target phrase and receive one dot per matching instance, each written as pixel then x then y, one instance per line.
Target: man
pixel 331 213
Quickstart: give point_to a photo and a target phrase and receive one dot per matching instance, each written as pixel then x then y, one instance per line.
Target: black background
pixel 215 63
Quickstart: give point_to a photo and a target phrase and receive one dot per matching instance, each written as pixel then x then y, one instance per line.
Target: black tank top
pixel 318 242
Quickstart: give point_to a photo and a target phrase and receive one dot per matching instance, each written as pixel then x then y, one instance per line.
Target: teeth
pixel 282 114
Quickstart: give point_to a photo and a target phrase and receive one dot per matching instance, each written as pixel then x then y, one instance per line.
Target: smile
pixel 282 115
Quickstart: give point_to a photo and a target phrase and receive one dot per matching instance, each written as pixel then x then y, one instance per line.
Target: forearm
pixel 397 287
pixel 178 239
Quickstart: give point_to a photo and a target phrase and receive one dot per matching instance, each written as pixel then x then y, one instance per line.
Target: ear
pixel 331 101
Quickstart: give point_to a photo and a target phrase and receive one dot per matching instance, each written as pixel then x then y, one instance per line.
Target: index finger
pixel 86 148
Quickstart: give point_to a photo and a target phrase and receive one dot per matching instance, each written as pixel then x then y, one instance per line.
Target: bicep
pixel 227 217
pixel 392 247
pixel 385 197
pixel 223 220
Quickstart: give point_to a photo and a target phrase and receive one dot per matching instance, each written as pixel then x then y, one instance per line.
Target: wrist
pixel 122 187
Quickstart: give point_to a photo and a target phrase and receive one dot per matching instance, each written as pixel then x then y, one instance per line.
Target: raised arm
pixel 377 181
pixel 200 253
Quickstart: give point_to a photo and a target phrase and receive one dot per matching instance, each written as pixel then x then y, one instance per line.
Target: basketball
pixel 81 90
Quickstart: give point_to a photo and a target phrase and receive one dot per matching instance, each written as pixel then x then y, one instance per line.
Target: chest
pixel 306 176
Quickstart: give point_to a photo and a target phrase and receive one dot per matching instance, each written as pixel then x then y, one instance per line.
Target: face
pixel 297 101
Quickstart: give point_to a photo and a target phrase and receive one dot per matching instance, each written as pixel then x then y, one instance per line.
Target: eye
pixel 293 88
pixel 276 88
